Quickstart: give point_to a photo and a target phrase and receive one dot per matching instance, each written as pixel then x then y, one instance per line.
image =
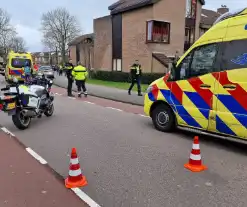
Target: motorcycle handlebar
pixel 4 89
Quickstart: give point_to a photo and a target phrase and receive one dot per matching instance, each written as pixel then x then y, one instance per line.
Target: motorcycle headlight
pixel 15 80
pixel 149 89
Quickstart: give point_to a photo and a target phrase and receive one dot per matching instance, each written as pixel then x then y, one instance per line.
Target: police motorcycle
pixel 24 102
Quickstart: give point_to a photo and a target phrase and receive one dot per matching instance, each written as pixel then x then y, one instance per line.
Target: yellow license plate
pixel 11 106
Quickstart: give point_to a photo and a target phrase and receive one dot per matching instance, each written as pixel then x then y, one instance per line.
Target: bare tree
pixel 49 42
pixel 59 27
pixel 4 20
pixel 5 28
pixel 18 44
pixel 6 38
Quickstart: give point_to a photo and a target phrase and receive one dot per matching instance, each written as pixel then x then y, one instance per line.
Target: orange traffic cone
pixel 75 178
pixel 195 161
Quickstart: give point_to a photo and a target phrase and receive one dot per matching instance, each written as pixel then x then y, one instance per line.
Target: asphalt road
pixel 128 163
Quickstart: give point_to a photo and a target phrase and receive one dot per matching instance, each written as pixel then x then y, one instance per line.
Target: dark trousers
pixel 69 88
pixel 81 86
pixel 137 81
pixel 27 77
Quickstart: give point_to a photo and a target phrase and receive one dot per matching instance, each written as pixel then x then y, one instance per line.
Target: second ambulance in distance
pixel 15 65
pixel 206 90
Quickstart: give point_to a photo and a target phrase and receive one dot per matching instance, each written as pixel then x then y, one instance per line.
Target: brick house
pixel 149 30
pixel 82 49
pixel 208 17
pixel 41 58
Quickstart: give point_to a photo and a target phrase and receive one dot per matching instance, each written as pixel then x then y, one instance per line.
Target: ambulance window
pixel 19 63
pixel 235 55
pixel 203 60
pixel 182 71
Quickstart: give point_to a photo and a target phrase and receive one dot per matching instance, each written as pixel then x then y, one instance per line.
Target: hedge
pixel 115 76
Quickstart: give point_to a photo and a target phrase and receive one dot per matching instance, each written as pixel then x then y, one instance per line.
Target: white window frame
pixel 114 64
pixel 117 65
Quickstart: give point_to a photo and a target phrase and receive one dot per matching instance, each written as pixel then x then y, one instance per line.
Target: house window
pixel 117 64
pixel 158 31
pixel 191 8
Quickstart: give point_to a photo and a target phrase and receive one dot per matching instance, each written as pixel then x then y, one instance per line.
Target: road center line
pixel 83 196
pixel 36 156
pixel 114 108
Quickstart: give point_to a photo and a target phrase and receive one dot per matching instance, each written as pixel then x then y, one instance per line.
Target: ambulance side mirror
pixel 172 72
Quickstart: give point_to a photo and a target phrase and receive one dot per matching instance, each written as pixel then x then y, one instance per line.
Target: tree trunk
pixel 63 49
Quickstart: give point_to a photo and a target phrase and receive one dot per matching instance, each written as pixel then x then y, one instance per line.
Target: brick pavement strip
pixel 129 108
pixel 27 183
pixel 105 92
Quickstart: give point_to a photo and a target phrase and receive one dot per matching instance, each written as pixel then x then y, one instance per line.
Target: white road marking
pixel 36 156
pixel 114 108
pixel 7 131
pixel 72 98
pixel 89 102
pixel 143 115
pixel 83 196
pixel 58 94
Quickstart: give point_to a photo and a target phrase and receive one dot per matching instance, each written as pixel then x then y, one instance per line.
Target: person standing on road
pixel 69 68
pixel 135 72
pixel 27 72
pixel 60 71
pixel 80 74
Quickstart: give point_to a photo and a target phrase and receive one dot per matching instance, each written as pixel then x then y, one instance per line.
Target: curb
pixel 103 97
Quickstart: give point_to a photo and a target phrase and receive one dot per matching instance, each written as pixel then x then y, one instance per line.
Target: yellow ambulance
pixel 15 65
pixel 206 90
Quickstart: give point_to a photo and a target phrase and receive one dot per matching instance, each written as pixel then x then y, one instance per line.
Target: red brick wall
pixel 103 43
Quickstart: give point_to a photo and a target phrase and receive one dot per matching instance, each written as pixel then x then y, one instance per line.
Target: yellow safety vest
pixel 137 69
pixel 79 73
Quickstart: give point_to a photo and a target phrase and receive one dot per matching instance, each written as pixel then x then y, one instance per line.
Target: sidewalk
pixel 105 92
pixel 26 183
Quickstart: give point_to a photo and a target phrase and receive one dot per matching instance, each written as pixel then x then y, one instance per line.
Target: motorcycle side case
pixel 29 100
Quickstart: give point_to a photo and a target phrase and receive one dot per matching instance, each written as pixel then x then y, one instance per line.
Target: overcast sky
pixel 26 14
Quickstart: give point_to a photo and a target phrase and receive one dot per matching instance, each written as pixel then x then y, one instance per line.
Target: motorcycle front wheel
pixel 20 121
pixel 49 111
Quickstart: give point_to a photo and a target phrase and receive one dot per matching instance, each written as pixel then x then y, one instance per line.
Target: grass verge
pixel 119 85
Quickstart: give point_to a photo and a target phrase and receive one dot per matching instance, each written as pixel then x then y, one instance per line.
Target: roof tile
pixel 127 5
pixel 209 16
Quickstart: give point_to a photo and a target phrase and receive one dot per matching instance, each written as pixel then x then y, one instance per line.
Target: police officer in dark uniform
pixel 69 68
pixel 135 72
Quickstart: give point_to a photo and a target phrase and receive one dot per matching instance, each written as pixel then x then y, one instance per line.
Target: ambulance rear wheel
pixel 163 118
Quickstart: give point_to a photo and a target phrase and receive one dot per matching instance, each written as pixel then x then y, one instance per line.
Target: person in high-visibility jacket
pixel 80 75
pixel 135 72
pixel 69 67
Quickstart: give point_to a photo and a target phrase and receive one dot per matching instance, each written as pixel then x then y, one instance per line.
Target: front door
pixel 231 90
pixel 192 89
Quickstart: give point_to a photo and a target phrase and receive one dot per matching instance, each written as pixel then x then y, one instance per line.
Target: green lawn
pixel 120 85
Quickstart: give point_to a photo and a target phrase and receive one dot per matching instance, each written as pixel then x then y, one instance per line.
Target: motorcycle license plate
pixel 11 106
pixel 12 112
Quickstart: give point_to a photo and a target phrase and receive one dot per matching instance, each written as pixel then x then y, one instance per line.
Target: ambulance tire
pixel 163 118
